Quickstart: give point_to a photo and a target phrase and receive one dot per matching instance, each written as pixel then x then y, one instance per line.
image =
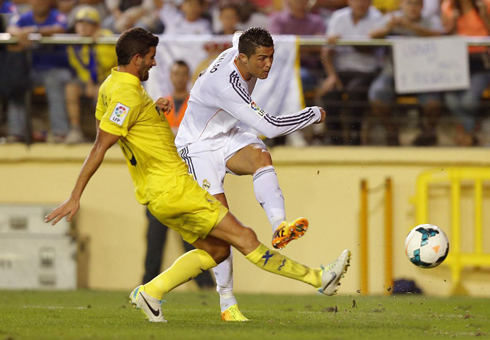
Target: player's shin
pixel 185 268
pixel 223 273
pixel 274 262
pixel 269 195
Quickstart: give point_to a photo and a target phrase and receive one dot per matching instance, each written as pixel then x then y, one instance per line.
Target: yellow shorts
pixel 188 209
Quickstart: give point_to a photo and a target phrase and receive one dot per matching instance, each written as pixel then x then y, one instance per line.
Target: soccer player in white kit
pixel 211 143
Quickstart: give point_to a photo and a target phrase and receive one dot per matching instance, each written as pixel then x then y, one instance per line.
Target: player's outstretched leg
pixel 269 195
pixel 245 240
pixel 223 273
pixel 332 273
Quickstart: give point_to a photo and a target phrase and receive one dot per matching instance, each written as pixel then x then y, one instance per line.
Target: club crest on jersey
pixel 206 185
pixel 257 109
pixel 119 114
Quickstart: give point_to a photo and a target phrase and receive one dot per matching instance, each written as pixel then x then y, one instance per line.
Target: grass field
pixel 107 315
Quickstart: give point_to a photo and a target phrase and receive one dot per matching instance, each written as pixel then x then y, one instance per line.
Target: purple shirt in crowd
pixel 285 23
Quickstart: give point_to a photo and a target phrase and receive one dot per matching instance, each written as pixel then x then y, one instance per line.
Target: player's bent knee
pixel 222 254
pixel 219 253
pixel 217 249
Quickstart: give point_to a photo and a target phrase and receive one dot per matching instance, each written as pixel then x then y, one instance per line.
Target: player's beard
pixel 144 73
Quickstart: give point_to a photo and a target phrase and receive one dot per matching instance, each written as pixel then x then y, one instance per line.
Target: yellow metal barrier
pixel 387 186
pixel 454 177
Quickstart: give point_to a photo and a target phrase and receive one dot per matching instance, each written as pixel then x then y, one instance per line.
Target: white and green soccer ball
pixel 426 246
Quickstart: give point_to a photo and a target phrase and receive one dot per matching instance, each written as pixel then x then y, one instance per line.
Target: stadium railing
pixel 304 41
pixel 73 39
pixel 457 178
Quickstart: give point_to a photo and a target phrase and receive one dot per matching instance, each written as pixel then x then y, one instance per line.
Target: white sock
pixel 223 273
pixel 269 195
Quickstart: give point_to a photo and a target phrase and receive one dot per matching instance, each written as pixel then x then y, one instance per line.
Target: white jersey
pixel 220 100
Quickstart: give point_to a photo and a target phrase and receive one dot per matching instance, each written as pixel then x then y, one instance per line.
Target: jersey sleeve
pixel 120 113
pixel 237 102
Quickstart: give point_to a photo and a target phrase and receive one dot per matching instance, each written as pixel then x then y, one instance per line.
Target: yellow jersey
pixel 125 109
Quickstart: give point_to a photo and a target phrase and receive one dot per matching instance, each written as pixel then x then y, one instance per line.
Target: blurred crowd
pixel 354 84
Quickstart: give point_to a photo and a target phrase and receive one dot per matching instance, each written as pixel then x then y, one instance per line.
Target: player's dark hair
pixel 132 42
pixel 253 38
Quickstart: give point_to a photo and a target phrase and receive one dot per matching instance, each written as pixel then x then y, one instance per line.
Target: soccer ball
pixel 426 246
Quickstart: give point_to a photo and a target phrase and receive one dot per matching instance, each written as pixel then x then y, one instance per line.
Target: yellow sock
pixel 276 263
pixel 184 269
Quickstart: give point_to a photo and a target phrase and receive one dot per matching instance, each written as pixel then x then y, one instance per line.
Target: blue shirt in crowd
pixel 46 56
pixel 7 7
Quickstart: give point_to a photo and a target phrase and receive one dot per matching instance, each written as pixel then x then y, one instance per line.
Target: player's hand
pixel 164 104
pixel 69 207
pixel 322 118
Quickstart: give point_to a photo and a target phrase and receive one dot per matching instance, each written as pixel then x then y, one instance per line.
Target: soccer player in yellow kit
pixel 127 115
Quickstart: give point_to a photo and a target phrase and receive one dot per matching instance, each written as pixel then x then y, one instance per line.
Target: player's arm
pixel 239 104
pixel 70 207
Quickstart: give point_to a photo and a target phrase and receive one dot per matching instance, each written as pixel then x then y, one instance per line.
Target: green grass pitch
pixel 108 315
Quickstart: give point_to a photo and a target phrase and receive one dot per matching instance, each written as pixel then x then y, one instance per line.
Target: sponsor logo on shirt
pixel 257 109
pixel 119 114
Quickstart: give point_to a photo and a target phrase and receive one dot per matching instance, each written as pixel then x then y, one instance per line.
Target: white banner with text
pixel 430 64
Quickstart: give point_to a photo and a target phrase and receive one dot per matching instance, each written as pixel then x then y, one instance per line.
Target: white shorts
pixel 209 166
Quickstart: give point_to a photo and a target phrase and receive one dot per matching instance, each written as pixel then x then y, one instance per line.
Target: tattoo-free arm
pixel 70 207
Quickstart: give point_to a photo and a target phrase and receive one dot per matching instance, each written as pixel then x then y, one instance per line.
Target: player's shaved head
pixel 253 38
pixel 133 42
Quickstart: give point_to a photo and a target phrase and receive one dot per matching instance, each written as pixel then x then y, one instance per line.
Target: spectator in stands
pixel 387 5
pixel 264 6
pixel 125 14
pixel 66 7
pixel 326 8
pixel 297 19
pixel 91 63
pixel 188 20
pixel 230 18
pixel 70 8
pixel 406 22
pixel 331 4
pixel 251 14
pixel 469 18
pixel 7 8
pixel 49 68
pixel 350 70
pixel 180 74
pixel 431 7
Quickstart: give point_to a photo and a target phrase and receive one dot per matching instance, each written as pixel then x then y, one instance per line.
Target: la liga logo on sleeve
pixel 119 114
pixel 257 109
